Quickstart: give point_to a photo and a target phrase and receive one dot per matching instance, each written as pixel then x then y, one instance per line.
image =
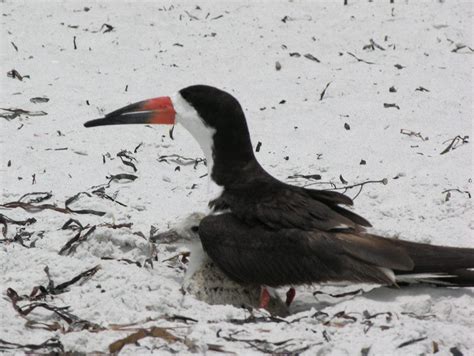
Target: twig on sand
pixel 413 134
pixel 324 91
pixel 455 143
pixel 345 188
pixel 410 342
pixel 448 193
pixel 384 181
pixel 359 59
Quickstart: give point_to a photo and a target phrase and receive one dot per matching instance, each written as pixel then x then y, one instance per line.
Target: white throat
pixel 187 116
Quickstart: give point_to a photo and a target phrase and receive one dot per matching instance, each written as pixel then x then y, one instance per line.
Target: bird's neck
pixel 232 156
pixel 230 162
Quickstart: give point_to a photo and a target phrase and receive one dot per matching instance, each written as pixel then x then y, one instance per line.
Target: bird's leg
pixel 264 298
pixel 290 296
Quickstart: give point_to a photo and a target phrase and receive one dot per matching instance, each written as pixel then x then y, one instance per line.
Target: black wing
pixel 259 255
pixel 278 205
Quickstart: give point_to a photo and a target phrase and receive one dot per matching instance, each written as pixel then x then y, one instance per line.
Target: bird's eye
pixel 195 229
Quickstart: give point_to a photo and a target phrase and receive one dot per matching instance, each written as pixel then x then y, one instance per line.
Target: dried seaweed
pixel 391 105
pixel 5 220
pixel 72 244
pixel 117 226
pixel 74 198
pixel 53 345
pixel 135 150
pixel 311 57
pixel 101 193
pixel 182 318
pixel 171 132
pixel 372 46
pixel 15 75
pixel 127 260
pixel 252 319
pixel 31 208
pixel 183 161
pixel 62 287
pixel 35 197
pixel 72 224
pixel 155 331
pixel 74 322
pixel 21 236
pixel 460 46
pixel 54 326
pixel 420 88
pixel 359 59
pixel 411 342
pixel 39 99
pixel 127 158
pixel 388 315
pixel 278 347
pixel 192 17
pixel 448 192
pixel 15 112
pixel 106 27
pixel 321 97
pixel 29 204
pixel 413 134
pixel 121 176
pixel 40 292
pixel 455 143
pixel 342 314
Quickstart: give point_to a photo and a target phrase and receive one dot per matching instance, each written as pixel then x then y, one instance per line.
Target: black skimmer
pixel 261 231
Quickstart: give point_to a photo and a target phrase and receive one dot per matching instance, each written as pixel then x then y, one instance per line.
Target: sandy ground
pixel 89 58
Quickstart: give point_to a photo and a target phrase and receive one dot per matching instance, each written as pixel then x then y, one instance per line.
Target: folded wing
pixel 259 255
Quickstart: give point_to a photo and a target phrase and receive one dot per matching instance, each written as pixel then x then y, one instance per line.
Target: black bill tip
pixel 96 122
pixel 122 119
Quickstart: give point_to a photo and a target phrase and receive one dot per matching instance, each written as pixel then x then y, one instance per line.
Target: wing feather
pixel 259 255
pixel 278 205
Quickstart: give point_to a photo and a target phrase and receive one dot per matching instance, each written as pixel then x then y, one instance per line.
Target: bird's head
pixel 192 107
pixel 213 117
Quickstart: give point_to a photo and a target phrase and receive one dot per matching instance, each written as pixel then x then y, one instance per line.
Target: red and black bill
pixel 152 111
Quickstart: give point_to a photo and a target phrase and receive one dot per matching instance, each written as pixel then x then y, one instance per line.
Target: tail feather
pixel 459 278
pixel 440 265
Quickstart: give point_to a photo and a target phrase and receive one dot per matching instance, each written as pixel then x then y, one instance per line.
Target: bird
pixel 263 232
